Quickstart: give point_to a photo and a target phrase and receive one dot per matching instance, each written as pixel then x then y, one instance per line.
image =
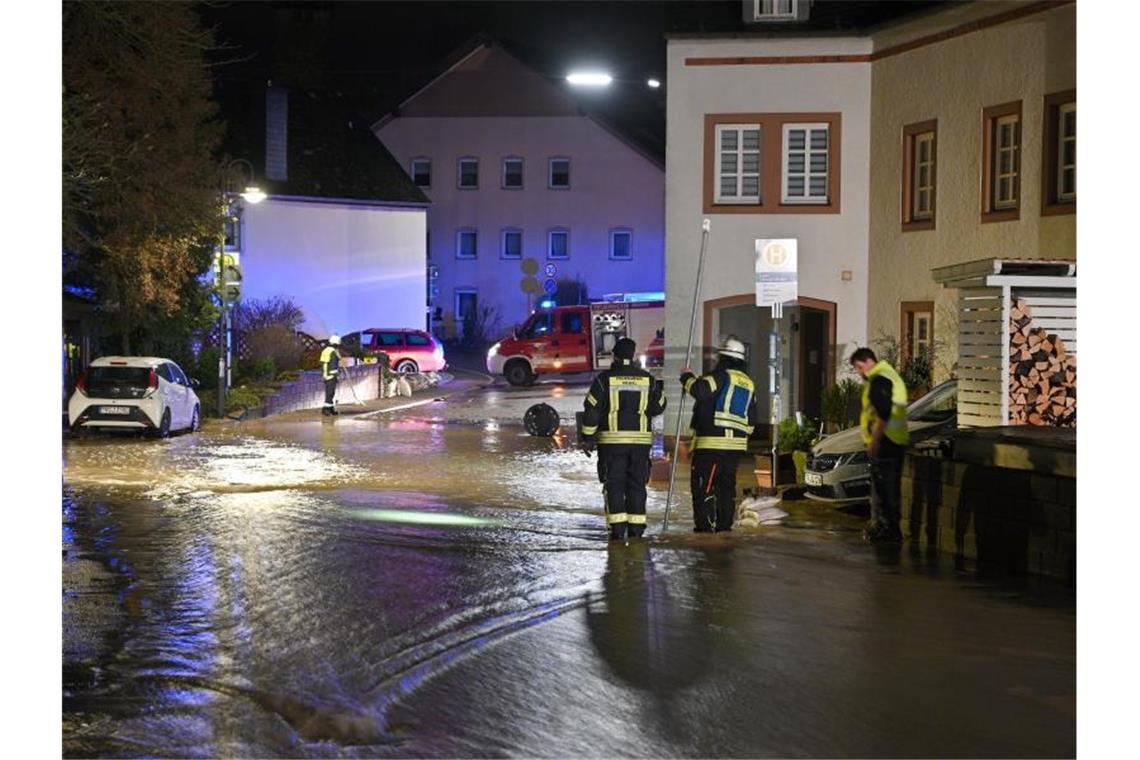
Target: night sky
pixel 380 52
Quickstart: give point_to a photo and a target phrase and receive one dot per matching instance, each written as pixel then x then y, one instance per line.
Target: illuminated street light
pixel 654 83
pixel 253 194
pixel 589 79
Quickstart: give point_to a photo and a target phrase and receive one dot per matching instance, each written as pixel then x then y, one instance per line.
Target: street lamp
pixel 235 174
pixel 589 79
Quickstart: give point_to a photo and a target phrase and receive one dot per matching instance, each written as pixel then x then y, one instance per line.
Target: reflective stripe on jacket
pixel 896 429
pixel 621 402
pixel 330 362
pixel 725 413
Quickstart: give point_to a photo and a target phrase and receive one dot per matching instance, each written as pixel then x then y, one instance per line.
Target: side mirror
pixel 194 382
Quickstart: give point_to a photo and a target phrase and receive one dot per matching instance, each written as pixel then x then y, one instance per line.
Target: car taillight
pixel 152 382
pixel 81 383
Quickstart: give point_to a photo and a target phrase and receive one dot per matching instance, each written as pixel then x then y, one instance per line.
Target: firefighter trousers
pixel 623 469
pixel 330 394
pixel 713 481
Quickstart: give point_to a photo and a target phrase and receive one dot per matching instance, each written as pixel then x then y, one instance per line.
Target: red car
pixel 408 350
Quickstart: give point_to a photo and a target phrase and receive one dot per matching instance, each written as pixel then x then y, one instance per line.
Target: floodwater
pixel 427 586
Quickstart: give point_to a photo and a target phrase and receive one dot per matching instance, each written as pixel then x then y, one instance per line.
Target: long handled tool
pixel 705 227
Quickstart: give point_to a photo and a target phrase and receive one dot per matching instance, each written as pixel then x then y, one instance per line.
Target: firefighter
pixel 885 433
pixel 330 371
pixel 618 409
pixel 723 417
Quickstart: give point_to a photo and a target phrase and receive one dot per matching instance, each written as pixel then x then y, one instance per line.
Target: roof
pixel 131 361
pixel 980 270
pixel 841 18
pixel 332 152
pixel 617 123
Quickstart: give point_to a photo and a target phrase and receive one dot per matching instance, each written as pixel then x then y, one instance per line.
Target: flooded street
pixel 437 583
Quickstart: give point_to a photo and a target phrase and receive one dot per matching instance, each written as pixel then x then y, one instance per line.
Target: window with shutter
pixel 738 163
pixel 1067 153
pixel 1007 141
pixel 805 170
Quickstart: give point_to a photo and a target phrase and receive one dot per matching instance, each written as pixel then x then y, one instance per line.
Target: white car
pixel 135 392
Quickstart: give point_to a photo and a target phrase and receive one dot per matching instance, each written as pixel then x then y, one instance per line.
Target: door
pixel 539 336
pixel 174 393
pixel 813 328
pixel 572 342
pixel 466 308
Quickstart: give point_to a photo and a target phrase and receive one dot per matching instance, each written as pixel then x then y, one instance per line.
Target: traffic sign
pixel 550 286
pixel 530 285
pixel 551 270
pixel 529 266
pixel 776 272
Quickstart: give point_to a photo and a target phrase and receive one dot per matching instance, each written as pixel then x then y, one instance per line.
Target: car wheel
pixel 195 421
pixel 407 367
pixel 164 426
pixel 518 373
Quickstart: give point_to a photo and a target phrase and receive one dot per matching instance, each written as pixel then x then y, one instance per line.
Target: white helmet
pixel 334 340
pixel 732 348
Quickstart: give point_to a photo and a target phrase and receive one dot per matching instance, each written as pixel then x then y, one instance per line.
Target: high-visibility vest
pixel 730 413
pixel 330 362
pixel 896 426
pixel 620 404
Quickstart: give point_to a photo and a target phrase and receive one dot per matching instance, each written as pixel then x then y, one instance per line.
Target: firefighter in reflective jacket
pixel 885 433
pixel 619 407
pixel 330 371
pixel 723 417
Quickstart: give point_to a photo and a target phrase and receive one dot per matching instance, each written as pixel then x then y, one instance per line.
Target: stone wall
pixel 308 392
pixel 1015 519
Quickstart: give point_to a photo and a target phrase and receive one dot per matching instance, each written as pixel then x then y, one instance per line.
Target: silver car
pixel 838 469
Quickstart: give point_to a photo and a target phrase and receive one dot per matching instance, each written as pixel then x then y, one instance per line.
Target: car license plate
pixel 115 410
pixel 812 479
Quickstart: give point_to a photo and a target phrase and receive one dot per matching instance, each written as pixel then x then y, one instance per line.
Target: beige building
pixel 973 156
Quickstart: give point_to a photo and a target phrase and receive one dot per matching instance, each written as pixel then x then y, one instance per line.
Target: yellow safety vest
pixel 896 426
pixel 730 414
pixel 330 362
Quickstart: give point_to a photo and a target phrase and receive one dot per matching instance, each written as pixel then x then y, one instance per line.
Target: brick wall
pixel 308 392
pixel 997 516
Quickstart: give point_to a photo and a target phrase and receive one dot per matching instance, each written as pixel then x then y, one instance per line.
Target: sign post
pixel 776 284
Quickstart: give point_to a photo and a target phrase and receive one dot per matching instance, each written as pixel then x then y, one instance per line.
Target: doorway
pixel 813 349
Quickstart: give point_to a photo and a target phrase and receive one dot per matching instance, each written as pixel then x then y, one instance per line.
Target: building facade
pixel 515 170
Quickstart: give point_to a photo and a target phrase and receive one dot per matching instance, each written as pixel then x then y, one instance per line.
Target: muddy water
pixel 414 587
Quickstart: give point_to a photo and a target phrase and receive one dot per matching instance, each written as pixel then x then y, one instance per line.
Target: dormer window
pixel 763 11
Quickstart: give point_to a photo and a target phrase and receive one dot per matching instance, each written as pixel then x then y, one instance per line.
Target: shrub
pixel 791 436
pixel 841 402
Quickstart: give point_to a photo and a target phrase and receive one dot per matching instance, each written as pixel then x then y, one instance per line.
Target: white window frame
pixel 613 237
pixel 740 174
pixel 522 169
pixel 459 233
pixel 808 174
pixel 503 243
pixel 1062 196
pixel 421 160
pixel 916 211
pixel 1014 149
pixel 550 243
pixel 459 173
pixel 766 10
pixel 550 173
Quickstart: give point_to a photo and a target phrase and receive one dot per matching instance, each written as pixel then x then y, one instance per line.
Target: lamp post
pixel 235 174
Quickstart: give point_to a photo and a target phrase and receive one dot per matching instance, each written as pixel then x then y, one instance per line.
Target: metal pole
pixel 221 337
pixel 706 225
pixel 774 415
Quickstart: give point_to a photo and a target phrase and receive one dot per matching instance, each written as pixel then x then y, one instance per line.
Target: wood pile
pixel 1042 374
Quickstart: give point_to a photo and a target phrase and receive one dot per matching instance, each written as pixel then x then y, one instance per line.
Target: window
pixel 466 244
pixel 919 171
pixel 559 173
pixel 774 10
pixel 540 323
pixel 1001 167
pixel 512 244
pixel 805 163
pixel 559 244
pixel 415 339
pixel 389 339
pixel 738 163
pixel 512 173
pixel 621 245
pixel 468 174
pixel 917 327
pixel 421 172
pixel 771 163
pixel 177 375
pixel 571 323
pixel 1059 162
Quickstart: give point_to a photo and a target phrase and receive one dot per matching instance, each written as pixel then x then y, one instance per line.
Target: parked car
pixel 408 350
pixel 838 469
pixel 135 393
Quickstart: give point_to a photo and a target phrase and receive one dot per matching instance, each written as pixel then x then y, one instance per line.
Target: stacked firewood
pixel 1042 374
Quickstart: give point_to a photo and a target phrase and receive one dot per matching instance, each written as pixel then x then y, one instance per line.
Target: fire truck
pixel 568 339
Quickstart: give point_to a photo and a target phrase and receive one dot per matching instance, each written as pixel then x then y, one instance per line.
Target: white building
pixel 769 138
pixel 515 170
pixel 342 230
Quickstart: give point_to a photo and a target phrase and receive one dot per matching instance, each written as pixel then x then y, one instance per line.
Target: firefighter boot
pixel 618 531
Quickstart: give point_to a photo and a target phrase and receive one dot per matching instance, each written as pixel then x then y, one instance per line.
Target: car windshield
pixel 540 323
pixel 938 405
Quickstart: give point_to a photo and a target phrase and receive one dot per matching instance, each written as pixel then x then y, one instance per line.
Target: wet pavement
pixel 436 583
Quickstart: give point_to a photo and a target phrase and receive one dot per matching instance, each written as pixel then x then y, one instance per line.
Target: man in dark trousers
pixel 883 424
pixel 621 402
pixel 330 371
pixel 723 417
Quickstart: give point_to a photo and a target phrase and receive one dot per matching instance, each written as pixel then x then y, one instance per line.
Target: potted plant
pixel 794 441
